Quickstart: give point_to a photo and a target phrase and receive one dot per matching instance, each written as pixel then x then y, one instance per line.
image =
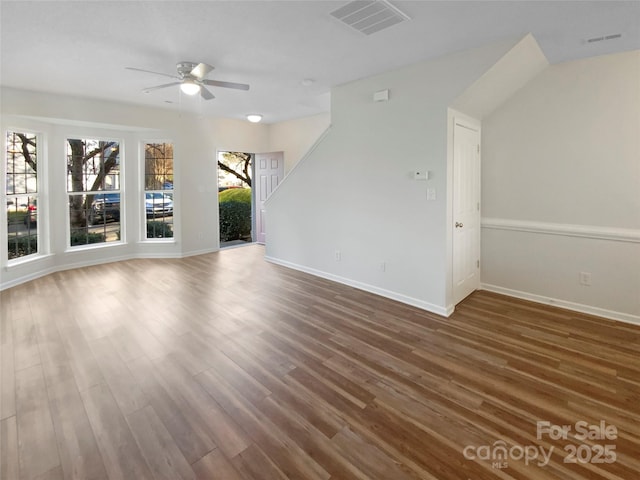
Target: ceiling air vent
pixel 607 37
pixel 369 16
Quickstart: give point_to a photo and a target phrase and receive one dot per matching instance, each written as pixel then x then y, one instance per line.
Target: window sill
pixel 163 241
pixel 93 246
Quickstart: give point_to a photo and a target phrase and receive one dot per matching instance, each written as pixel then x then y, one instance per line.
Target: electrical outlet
pixel 585 279
pixel 431 194
pixel 338 255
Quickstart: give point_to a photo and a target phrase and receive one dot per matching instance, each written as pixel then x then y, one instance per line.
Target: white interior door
pixel 269 172
pixel 466 208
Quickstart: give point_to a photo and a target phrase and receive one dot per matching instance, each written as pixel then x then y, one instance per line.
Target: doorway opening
pixel 245 182
pixel 235 198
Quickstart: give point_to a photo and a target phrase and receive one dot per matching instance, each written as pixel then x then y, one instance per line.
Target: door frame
pixel 454 116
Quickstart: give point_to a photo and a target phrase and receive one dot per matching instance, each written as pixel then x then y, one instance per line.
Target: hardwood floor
pixel 223 366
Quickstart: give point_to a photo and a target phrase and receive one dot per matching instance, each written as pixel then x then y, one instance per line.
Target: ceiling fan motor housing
pixel 185 68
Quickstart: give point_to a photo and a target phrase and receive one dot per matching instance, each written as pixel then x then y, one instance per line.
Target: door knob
pixel 459 225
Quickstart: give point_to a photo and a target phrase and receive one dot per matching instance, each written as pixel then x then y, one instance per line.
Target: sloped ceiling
pixel 523 62
pixel 82 48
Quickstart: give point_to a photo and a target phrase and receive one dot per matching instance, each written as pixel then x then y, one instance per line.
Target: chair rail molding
pixel 564 229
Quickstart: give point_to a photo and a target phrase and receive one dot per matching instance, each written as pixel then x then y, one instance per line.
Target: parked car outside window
pixel 31 217
pixel 105 206
pixel 158 204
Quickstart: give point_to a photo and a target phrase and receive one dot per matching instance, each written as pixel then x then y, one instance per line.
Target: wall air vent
pixel 369 16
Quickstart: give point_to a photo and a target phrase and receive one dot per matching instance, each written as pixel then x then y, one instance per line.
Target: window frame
pixel 39 196
pixel 143 189
pixel 120 191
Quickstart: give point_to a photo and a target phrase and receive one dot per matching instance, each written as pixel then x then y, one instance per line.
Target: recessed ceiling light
pixel 254 117
pixel 307 82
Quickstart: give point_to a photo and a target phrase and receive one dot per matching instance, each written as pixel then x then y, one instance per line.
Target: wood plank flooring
pixel 223 366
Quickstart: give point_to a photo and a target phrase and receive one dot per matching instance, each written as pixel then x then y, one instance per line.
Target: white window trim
pixel 121 191
pixel 42 231
pixel 142 208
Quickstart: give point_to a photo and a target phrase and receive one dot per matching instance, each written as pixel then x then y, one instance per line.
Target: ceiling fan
pixel 191 79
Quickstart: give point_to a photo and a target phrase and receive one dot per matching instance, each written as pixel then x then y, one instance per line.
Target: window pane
pixel 21 198
pixel 22 226
pixel 158 166
pixel 158 184
pixel 92 165
pixel 94 218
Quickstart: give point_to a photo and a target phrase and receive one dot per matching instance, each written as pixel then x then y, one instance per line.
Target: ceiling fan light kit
pixel 191 80
pixel 189 87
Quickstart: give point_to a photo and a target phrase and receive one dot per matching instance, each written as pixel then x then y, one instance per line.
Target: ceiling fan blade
pixel 206 94
pixel 158 87
pixel 218 83
pixel 149 71
pixel 200 71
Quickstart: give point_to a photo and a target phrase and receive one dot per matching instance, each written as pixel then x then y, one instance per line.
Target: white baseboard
pixel 149 255
pixel 61 268
pixel 193 253
pixel 27 278
pixel 89 263
pixel 576 307
pixel 414 302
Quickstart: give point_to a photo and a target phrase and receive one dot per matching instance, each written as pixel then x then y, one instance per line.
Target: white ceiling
pixel 81 48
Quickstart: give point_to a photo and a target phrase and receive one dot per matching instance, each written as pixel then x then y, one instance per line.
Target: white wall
pixel 355 193
pixel 561 188
pixel 296 137
pixel 195 139
pixel 561 182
